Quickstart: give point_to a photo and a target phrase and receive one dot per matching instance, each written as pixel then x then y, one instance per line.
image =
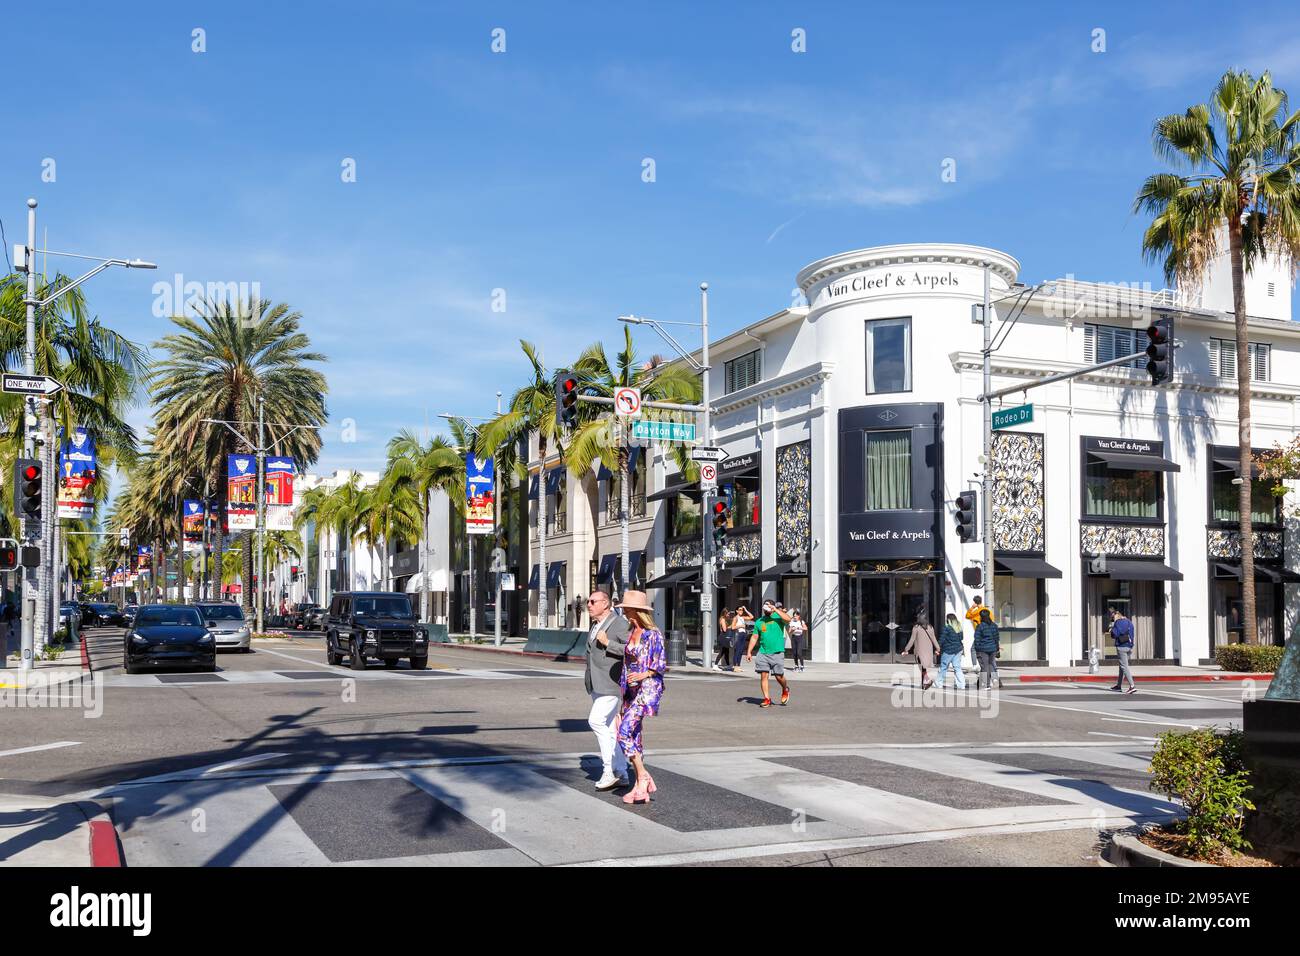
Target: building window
pixel 889 470
pixel 683 516
pixel 742 372
pixel 1263 504
pixel 1112 493
pixel 635 500
pixel 1223 359
pixel 889 355
pixel 1101 343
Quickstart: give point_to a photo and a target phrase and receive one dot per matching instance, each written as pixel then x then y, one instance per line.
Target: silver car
pixel 228 625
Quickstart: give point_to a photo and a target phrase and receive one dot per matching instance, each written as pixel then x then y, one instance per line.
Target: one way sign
pixel 29 384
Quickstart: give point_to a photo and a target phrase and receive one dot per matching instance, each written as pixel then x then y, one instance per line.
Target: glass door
pixel 869 625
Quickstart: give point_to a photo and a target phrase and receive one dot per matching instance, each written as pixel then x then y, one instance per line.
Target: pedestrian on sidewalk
pixel 973 615
pixel 798 629
pixel 642 683
pixel 1121 632
pixel 741 624
pixel 950 652
pixel 605 647
pixel 924 645
pixel 722 655
pixel 769 638
pixel 987 641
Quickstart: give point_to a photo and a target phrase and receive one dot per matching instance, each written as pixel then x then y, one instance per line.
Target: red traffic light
pixel 31 472
pixel 8 557
pixel 719 507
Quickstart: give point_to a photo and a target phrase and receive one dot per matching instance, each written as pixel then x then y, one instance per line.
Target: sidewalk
pixel 874 673
pixel 37 832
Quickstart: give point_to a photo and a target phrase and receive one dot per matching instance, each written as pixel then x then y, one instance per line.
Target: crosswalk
pixel 542 809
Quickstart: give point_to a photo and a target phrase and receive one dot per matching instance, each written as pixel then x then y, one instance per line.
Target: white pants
pixel 603 721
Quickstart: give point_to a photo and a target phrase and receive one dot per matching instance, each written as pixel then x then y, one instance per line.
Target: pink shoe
pixel 650 783
pixel 638 794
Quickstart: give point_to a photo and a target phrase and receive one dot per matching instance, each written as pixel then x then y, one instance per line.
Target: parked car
pixel 228 624
pixel 69 615
pixel 169 635
pixel 314 619
pixel 128 614
pixel 101 614
pixel 379 624
pixel 298 615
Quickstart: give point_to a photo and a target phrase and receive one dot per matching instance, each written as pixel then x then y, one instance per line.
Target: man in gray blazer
pixel 605 645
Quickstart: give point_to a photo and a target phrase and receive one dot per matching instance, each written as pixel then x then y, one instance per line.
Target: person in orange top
pixel 973 615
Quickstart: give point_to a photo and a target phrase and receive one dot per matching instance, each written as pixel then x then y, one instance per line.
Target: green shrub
pixel 1205 771
pixel 1249 658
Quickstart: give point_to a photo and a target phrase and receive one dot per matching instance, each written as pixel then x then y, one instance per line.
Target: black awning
pixel 1233 464
pixel 775 572
pixel 1125 462
pixel 635 559
pixel 608 564
pixel 672 491
pixel 553 480
pixel 532 578
pixel 1025 568
pixel 744 569
pixel 532 488
pixel 672 578
pixel 1140 571
pixel 603 473
pixel 1263 572
pixel 554 574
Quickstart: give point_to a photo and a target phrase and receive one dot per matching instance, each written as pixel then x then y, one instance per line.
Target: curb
pixel 85 655
pixel 563 658
pixel 105 850
pixel 1139 678
pixel 1127 850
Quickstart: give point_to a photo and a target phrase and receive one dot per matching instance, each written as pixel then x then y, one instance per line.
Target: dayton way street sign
pixel 1006 417
pixel 30 384
pixel 647 430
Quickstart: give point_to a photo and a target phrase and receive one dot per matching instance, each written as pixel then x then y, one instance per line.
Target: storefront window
pixel 889 355
pixel 746 511
pixel 1263 505
pixel 1015 602
pixel 889 470
pixel 1121 494
pixel 683 517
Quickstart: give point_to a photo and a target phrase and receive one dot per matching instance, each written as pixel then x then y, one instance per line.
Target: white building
pixel 851 425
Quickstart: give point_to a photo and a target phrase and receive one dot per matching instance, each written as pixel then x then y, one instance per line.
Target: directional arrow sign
pixel 708 453
pixel 29 384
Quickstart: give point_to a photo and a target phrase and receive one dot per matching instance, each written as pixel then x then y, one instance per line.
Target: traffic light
pixel 1160 353
pixel 566 398
pixel 27 488
pixel 966 517
pixel 8 554
pixel 721 517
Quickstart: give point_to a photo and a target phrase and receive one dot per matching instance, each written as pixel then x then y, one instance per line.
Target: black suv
pixel 381 624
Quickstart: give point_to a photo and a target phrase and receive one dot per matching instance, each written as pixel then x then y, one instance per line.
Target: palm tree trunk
pixel 1245 461
pixel 153 569
pixel 246 574
pixel 218 559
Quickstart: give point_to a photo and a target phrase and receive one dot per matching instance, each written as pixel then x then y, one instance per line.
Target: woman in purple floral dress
pixel 642 682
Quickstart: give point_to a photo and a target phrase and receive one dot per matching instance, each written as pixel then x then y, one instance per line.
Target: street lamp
pixel 702 366
pixel 35 579
pixel 473 618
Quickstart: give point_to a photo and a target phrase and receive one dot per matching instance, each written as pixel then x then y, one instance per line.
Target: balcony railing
pixel 559 523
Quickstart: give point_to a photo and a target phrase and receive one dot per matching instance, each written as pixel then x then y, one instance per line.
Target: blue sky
pixel 522 171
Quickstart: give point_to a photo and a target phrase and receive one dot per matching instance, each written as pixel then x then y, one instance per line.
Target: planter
pixel 1272 729
pixel 560 641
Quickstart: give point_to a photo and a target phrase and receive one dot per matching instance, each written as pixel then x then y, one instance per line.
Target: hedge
pixel 1249 658
pixel 1205 772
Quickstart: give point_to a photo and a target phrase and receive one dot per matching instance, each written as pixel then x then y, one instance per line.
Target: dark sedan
pixel 169 635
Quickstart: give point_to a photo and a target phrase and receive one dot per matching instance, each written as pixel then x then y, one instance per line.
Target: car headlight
pixel 244 631
pixel 207 636
pixel 371 635
pixel 137 639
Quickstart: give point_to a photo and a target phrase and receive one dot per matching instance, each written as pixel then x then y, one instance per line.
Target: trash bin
pixel 676 649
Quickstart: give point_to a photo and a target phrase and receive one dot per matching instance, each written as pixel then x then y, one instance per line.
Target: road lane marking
pixel 28 750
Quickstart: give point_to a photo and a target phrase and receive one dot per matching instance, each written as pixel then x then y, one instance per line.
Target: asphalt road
pixel 479 759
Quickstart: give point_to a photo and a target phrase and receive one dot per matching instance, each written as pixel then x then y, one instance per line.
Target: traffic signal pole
pixel 986 513
pixel 706 557
pixel 30 592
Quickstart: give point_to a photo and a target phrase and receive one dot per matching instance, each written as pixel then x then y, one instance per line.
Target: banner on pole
pixel 77 471
pixel 480 496
pixel 241 482
pixel 279 493
pixel 143 555
pixel 192 515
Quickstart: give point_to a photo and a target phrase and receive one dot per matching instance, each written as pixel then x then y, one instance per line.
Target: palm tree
pixel 532 409
pixel 279 546
pixel 390 513
pixel 1240 158
pixel 592 441
pixel 341 510
pixel 218 366
pixel 435 465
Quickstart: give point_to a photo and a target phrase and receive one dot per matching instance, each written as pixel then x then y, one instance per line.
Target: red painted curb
pixel 1141 679
pixel 85 656
pixel 104 850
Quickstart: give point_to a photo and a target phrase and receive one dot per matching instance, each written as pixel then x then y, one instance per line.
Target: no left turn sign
pixel 627 401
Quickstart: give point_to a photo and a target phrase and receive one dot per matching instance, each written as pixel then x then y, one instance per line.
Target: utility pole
pixel 259 574
pixel 706 556
pixel 30 580
pixel 986 498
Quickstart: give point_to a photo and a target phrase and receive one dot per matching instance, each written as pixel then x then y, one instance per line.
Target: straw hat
pixel 636 600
